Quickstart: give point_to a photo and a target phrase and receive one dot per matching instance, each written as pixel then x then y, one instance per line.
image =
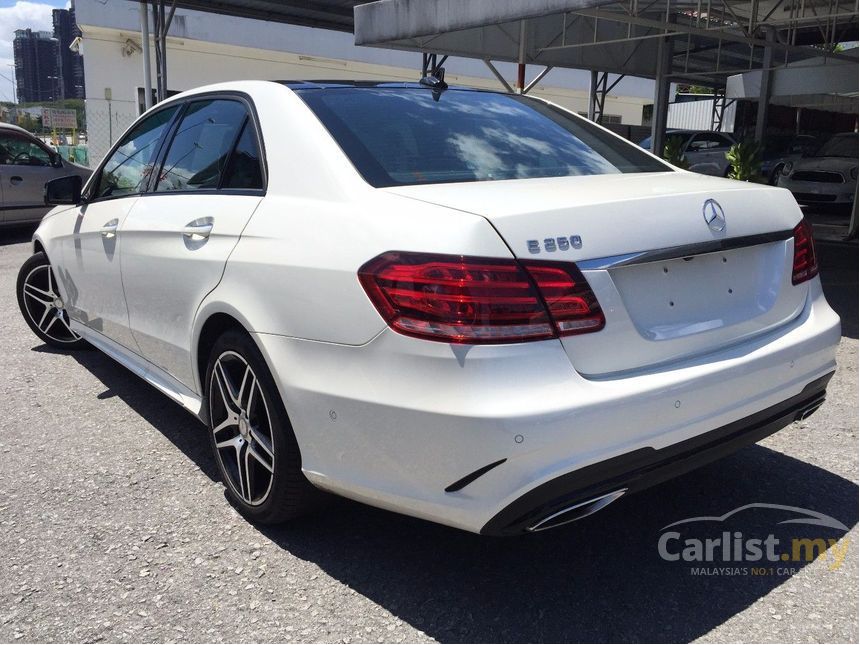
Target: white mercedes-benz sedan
pixel 471 307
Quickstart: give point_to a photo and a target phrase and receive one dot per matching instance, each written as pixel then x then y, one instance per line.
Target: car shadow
pixel 598 580
pixel 17 234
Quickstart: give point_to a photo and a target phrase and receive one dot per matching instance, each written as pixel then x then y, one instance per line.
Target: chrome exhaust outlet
pixel 808 412
pixel 577 511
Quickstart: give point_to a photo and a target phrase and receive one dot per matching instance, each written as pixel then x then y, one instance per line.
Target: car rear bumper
pixel 567 498
pixel 474 437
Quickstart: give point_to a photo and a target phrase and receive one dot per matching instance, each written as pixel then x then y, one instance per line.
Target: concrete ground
pixel 114 528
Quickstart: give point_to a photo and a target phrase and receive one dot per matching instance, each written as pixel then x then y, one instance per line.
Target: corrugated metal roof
pixel 325 14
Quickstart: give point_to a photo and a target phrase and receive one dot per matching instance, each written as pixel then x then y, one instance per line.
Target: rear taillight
pixel 805 263
pixel 458 299
pixel 572 304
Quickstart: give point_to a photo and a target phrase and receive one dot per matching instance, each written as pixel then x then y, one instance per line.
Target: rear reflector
pixel 459 299
pixel 805 263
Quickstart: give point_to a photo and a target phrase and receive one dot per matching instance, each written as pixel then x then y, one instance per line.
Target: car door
pixel 89 267
pixel 25 166
pixel 177 238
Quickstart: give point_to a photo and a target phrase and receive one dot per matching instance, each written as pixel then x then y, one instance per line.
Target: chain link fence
pixel 106 121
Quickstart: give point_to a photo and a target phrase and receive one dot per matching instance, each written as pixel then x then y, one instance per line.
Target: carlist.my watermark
pixel 728 545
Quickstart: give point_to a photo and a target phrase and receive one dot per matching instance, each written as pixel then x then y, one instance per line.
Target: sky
pixel 35 14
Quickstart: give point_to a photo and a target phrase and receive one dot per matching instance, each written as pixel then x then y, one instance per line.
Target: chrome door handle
pixel 109 228
pixel 198 229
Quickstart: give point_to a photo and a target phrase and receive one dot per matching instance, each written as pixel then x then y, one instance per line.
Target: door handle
pixel 15 180
pixel 109 228
pixel 199 229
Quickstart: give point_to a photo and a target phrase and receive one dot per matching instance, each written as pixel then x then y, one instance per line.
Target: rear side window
pixel 244 170
pixel 400 136
pixel 200 150
pixel 708 141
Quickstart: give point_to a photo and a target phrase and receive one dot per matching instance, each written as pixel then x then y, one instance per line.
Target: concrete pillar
pixel 661 96
pixel 764 91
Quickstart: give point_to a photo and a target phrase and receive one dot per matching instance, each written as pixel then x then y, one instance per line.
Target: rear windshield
pixel 402 136
pixel 840 146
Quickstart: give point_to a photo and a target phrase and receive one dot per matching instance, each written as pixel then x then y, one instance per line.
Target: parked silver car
pixel 704 150
pixel 26 164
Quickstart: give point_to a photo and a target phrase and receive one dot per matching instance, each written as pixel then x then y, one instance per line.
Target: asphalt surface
pixel 114 528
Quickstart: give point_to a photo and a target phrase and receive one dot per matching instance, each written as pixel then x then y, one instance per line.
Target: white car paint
pixel 393 420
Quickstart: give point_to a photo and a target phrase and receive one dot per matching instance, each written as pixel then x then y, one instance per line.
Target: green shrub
pixel 745 159
pixel 673 152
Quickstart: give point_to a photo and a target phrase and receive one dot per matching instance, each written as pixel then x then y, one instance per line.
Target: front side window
pixel 127 170
pixel 18 150
pixel 400 136
pixel 200 150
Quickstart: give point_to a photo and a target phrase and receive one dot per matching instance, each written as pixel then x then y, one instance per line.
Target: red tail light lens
pixel 572 304
pixel 457 299
pixel 805 262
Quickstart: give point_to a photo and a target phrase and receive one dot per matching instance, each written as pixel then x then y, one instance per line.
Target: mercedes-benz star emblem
pixel 714 216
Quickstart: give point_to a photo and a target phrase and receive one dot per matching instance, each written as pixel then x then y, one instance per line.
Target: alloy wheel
pixel 44 306
pixel 242 428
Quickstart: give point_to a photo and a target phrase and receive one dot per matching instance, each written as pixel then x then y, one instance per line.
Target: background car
pixel 778 150
pixel 26 165
pixel 829 176
pixel 705 150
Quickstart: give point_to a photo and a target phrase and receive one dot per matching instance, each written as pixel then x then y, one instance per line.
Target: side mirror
pixel 64 190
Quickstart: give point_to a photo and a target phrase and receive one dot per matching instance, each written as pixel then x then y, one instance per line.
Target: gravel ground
pixel 113 528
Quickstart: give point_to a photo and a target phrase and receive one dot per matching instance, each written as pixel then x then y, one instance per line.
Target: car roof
pixel 326 84
pixel 15 128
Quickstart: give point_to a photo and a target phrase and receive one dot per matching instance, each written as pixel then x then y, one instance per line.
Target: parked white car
pixel 26 165
pixel 471 307
pixel 829 176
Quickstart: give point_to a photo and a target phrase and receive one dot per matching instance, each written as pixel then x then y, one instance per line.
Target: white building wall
pixel 698 115
pixel 204 50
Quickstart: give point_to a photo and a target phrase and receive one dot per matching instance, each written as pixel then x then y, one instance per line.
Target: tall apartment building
pixel 37 66
pixel 71 62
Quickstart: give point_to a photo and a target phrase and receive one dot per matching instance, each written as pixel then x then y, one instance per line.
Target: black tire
pixel 289 494
pixel 773 180
pixel 36 289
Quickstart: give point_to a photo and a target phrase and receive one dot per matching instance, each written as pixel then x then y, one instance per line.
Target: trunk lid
pixel 670 285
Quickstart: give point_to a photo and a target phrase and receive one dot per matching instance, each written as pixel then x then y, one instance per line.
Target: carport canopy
pixel 712 39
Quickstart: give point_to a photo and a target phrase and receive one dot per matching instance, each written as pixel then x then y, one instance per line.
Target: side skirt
pixel 152 374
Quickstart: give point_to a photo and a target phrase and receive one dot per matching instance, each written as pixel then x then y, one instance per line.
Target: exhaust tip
pixel 576 511
pixel 809 411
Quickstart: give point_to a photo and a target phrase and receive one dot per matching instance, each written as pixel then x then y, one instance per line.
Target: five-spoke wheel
pixel 255 448
pixel 242 428
pixel 42 306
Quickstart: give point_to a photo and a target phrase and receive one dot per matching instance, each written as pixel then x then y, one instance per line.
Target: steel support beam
pixel 592 95
pixel 537 79
pixel 498 74
pixel 521 59
pixel 766 85
pixel 662 84
pixel 144 45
